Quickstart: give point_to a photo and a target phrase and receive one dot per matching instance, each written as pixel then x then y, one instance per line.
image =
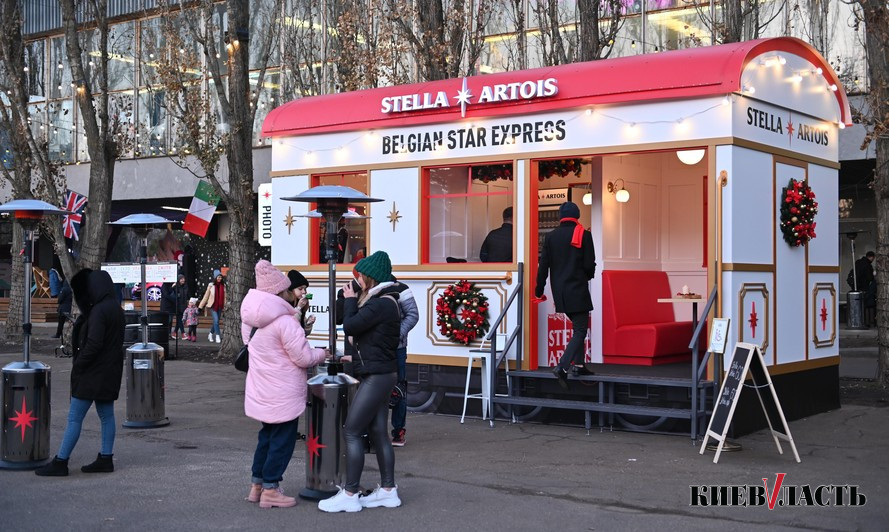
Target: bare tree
pixel 446 37
pixel 585 33
pixel 210 99
pixel 101 127
pixel 875 15
pixel 33 174
pixel 741 20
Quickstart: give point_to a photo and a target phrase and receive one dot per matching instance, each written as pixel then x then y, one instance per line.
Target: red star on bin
pixel 823 314
pixel 753 320
pixel 23 419
pixel 314 448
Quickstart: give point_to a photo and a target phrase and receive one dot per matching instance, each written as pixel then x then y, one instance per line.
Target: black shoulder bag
pixel 242 361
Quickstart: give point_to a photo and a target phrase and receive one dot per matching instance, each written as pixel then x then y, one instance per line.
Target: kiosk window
pixel 464 213
pixel 352 232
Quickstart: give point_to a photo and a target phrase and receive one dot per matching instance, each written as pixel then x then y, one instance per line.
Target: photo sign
pixel 130 272
pixel 747 362
pixel 718 335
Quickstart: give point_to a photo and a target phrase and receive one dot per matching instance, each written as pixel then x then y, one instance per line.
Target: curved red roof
pixel 696 72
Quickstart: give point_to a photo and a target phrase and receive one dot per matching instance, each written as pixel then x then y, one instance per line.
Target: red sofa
pixel 636 329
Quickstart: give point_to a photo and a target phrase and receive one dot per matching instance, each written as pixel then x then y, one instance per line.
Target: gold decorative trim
pixel 754 288
pixel 824 269
pixel 432 329
pixel 766 148
pixel 830 289
pixel 747 267
pixel 802 365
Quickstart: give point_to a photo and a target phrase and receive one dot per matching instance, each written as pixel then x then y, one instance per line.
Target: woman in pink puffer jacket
pixel 275 393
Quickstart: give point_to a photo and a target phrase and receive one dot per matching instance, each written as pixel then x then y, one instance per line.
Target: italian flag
pixel 203 205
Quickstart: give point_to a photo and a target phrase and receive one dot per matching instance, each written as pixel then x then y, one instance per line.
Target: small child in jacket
pixel 190 318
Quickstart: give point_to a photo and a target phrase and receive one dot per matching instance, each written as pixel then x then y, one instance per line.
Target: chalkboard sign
pixel 747 360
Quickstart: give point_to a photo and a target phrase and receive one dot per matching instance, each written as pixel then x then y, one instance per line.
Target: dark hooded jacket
pixel 97 338
pixel 376 328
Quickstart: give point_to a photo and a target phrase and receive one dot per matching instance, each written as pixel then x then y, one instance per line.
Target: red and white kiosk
pixel 678 161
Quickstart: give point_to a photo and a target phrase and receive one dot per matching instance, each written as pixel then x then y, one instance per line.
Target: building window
pixel 462 205
pixel 352 230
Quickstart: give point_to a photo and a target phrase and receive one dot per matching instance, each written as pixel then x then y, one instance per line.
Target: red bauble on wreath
pixel 462 312
pixel 798 210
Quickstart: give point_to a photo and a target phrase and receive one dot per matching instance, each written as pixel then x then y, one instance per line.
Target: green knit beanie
pixel 377 267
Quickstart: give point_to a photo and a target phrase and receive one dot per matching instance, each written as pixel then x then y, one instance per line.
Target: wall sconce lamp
pixel 690 157
pixel 621 194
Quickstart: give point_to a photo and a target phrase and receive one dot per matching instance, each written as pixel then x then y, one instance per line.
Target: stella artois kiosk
pixel 679 163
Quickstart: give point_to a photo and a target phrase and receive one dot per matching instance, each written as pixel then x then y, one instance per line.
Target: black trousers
pixel 369 413
pixel 575 352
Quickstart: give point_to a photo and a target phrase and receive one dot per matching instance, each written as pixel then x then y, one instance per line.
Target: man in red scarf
pixel 569 259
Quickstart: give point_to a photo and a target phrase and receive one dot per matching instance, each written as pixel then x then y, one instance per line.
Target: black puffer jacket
pixel 98 338
pixel 376 326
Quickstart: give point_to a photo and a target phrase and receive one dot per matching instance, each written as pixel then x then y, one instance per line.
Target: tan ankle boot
pixel 275 498
pixel 255 493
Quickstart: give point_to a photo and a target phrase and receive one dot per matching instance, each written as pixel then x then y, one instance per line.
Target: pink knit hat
pixel 270 279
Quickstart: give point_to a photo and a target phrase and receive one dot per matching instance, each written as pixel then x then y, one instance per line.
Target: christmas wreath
pixel 462 312
pixel 798 210
pixel 492 172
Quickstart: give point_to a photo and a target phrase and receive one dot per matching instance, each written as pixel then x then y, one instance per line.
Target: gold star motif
pixel 289 220
pixel 394 217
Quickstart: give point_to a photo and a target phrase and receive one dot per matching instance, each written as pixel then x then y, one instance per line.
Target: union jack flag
pixel 75 203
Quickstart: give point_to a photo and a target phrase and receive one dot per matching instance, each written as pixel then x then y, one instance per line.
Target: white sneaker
pixel 380 497
pixel 218 339
pixel 341 502
pixel 210 337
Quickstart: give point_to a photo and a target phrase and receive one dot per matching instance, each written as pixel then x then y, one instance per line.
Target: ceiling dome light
pixel 690 157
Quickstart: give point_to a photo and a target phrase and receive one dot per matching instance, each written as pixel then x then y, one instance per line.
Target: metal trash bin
pixel 329 400
pixel 144 368
pixel 24 441
pixel 855 310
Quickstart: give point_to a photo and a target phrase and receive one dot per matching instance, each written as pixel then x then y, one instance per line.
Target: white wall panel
pixel 748 300
pixel 289 244
pixel 750 218
pixel 399 189
pixel 824 247
pixel 790 284
pixel 822 315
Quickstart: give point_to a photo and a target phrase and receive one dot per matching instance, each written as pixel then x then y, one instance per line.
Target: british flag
pixel 75 203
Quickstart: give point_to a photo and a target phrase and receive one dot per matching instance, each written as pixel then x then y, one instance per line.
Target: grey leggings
pixel 369 413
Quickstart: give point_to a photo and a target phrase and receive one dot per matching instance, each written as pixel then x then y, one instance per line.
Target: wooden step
pixel 568 404
pixel 652 380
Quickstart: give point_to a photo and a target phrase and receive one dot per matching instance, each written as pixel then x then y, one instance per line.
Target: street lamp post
pixel 330 393
pixel 24 440
pixel 144 366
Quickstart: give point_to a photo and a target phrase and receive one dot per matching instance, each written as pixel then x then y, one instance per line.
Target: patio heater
pixel 144 365
pixel 24 440
pixel 329 393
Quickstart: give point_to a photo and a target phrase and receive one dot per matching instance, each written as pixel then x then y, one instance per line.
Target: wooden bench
pixel 636 329
pixel 43 310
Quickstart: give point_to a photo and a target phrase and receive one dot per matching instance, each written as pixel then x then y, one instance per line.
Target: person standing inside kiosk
pixel 569 259
pixel 497 246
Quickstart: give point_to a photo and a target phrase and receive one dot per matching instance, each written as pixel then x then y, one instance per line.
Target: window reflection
pixel 351 232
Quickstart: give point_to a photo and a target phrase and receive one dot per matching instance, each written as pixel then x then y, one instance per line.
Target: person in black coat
pixel 96 370
pixel 179 295
pixel 65 299
pixel 374 323
pixel 569 259
pixel 497 246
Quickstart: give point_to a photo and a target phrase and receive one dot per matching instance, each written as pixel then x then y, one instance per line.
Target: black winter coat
pixel 376 326
pixel 65 299
pixel 98 338
pixel 497 246
pixel 569 268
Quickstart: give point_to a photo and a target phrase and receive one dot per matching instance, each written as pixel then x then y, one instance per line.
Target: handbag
pixel 242 361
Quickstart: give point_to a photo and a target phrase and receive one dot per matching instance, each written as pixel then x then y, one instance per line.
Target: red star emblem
pixel 753 320
pixel 23 418
pixel 790 129
pixel 266 195
pixel 823 314
pixel 314 448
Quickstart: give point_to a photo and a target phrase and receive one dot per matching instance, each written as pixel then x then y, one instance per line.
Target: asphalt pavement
pixel 195 473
